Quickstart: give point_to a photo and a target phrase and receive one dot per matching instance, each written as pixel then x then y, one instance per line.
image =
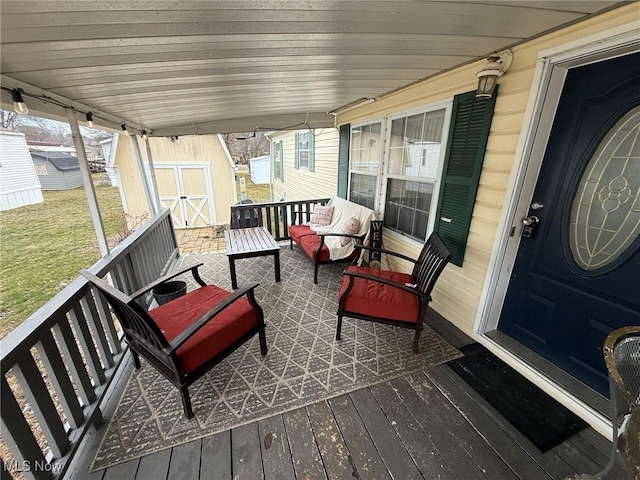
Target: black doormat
pixel 539 417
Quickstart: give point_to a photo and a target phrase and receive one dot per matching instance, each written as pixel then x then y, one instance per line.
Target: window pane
pixel 366 143
pixel 407 207
pixel 362 189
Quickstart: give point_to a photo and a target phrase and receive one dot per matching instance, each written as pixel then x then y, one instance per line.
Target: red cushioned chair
pixel 184 338
pixel 393 298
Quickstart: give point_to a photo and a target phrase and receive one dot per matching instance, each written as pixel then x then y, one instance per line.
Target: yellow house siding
pixel 301 184
pixel 457 293
pixel 196 149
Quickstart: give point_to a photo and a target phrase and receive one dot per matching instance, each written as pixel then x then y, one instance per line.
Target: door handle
pixel 529 226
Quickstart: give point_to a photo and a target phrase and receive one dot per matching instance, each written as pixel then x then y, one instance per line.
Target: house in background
pixel 195 177
pixel 108 148
pixel 260 168
pixel 57 170
pixel 304 164
pixel 19 184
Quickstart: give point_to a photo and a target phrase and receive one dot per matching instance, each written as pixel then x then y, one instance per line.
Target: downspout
pixel 152 172
pixel 94 208
pixel 143 175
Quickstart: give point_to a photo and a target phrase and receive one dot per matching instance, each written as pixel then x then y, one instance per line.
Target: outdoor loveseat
pixel 334 230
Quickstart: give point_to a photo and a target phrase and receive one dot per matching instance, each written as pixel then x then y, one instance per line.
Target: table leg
pixel 232 269
pixel 276 264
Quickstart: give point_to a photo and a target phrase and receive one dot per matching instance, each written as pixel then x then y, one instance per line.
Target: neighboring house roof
pixel 61 161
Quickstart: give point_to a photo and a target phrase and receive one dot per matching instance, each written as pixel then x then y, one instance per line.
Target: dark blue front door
pixel 577 277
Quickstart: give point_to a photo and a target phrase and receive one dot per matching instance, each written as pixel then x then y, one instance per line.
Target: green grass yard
pixel 43 246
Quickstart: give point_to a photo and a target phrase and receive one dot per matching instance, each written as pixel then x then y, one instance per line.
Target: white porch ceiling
pixel 178 68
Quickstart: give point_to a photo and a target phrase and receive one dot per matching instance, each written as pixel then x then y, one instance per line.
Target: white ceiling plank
pixel 232 62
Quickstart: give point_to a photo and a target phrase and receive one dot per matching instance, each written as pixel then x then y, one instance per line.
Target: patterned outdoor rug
pixel 304 364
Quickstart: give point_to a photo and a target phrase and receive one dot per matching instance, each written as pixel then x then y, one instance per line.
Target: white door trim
pixel 546 87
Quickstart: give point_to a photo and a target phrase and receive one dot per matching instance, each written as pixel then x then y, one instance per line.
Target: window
pixel 305 155
pixel 416 155
pixel 278 171
pixel 364 165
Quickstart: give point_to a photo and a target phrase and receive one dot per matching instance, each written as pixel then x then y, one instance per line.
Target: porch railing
pixel 62 358
pixel 275 216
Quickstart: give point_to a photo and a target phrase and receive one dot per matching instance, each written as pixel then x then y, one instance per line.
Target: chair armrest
pixel 357 237
pixel 386 281
pixel 202 321
pixel 155 283
pixel 388 252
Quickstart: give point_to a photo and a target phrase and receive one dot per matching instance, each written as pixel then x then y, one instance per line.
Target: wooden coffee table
pixel 247 243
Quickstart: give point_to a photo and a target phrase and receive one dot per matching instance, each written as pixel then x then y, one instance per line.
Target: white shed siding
pixel 302 184
pixel 19 183
pixel 260 168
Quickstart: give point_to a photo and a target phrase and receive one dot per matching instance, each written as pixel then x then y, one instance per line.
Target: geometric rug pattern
pixel 304 363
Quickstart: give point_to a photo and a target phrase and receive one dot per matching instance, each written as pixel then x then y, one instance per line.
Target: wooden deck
pixel 423 426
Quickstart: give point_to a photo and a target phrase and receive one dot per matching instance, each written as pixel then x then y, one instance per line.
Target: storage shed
pixel 19 183
pixel 260 168
pixel 195 176
pixel 57 170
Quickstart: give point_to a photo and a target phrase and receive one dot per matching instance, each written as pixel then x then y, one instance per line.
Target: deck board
pixel 216 456
pixel 305 455
pixel 154 467
pixel 276 456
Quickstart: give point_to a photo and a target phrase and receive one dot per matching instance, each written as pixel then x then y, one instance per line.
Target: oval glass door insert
pixel 605 214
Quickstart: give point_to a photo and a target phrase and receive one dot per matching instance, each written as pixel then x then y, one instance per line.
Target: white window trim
pixel 275 160
pixel 308 150
pixel 376 198
pixel 447 105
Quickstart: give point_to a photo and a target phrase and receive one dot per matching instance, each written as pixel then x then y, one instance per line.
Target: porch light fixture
pixel 144 135
pixel 124 129
pixel 496 66
pixel 18 103
pixel 175 139
pixel 89 120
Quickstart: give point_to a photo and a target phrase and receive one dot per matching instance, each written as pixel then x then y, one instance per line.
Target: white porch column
pixel 88 182
pixel 145 180
pixel 152 171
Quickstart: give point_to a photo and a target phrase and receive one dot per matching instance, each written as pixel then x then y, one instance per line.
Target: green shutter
pixel 468 135
pixel 343 160
pixel 296 160
pixel 312 154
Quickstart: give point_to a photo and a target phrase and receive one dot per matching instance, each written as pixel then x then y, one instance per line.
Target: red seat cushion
pixel 379 300
pixel 296 232
pixel 219 333
pixel 310 243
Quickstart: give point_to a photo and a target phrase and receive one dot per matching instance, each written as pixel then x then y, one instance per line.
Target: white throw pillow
pixel 322 215
pixel 351 227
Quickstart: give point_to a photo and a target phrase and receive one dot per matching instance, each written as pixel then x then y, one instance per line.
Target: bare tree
pixel 8 119
pixel 247 145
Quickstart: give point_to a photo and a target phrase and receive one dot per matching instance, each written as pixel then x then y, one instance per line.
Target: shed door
pixel 187 192
pixel 576 278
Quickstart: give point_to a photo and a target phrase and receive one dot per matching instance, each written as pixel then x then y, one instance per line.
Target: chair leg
pixel 186 402
pixel 263 342
pixel 339 327
pixel 136 360
pixel 416 340
pixel 315 273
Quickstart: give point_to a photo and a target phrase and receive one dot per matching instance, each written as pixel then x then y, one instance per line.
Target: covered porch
pixel 167 70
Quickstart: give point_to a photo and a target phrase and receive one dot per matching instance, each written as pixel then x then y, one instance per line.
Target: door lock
pixel 529 225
